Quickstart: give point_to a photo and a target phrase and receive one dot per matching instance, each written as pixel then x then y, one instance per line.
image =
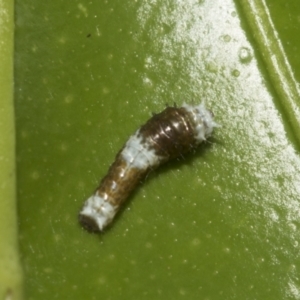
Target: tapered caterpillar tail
pixel 167 135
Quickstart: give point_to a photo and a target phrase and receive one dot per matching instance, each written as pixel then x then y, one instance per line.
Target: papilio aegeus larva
pixel 167 135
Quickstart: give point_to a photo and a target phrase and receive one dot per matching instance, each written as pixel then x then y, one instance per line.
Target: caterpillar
pixel 167 135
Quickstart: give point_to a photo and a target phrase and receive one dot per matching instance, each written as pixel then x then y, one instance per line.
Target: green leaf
pixel 10 270
pixel 220 224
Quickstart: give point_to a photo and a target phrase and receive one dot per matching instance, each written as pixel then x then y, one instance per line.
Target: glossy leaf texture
pixel 222 223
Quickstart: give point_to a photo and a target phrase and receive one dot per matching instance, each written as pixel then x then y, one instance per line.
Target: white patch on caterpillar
pixel 138 154
pixel 99 210
pixel 203 119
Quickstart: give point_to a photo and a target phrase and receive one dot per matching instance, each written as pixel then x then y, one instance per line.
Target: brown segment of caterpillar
pixel 166 135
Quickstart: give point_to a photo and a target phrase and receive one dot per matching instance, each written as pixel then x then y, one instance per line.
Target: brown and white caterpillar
pixel 167 135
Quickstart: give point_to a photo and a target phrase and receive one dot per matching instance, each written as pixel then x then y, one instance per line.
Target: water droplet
pixel 35 175
pixel 62 40
pixel 195 242
pixel 226 38
pixel 68 99
pixel 182 292
pixel 24 134
pixel 148 245
pixel 105 90
pixel 63 147
pixel 212 67
pixel 147 82
pixel 245 55
pixel 235 73
pixel 226 250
